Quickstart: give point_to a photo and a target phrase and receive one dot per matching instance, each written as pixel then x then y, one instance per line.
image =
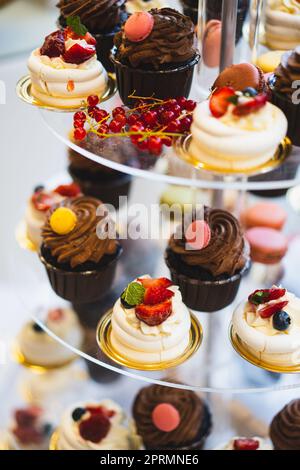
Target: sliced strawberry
pixel 95 428
pixel 251 106
pixel 271 309
pixel 28 435
pixel 27 417
pixel 246 444
pixel 42 201
pixel 90 39
pixel 68 190
pixel 157 295
pixel 262 296
pixel 154 315
pixel 100 410
pixel 219 101
pixel 70 34
pixel 160 282
pixel 78 54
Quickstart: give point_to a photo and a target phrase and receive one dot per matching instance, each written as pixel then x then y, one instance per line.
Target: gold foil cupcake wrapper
pixel 23 90
pixel 21 359
pixel 103 337
pixel 242 350
pixel 54 440
pixel 181 146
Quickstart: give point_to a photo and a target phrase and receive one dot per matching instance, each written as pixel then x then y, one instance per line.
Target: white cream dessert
pixel 244 443
pixel 150 323
pixel 65 70
pixel 282 24
pixel 95 426
pixel 268 326
pixel 29 430
pixel 38 348
pixel 236 131
pixel 144 5
pixel 38 205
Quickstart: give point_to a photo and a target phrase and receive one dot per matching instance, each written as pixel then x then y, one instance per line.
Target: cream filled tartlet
pixel 38 205
pixel 245 443
pixel 95 426
pixel 236 131
pixel 150 323
pixel 282 24
pixel 65 70
pixel 39 349
pixel 267 326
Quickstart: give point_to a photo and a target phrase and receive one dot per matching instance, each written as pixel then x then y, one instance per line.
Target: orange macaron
pixel 264 214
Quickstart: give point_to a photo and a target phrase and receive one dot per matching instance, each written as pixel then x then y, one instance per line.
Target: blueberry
pixel 281 321
pixel 39 188
pixel 249 92
pixel 37 328
pixel 78 413
pixel 47 428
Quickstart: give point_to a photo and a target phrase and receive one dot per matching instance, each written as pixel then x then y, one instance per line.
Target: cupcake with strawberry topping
pixel 65 70
pixel 246 443
pixel 236 131
pixel 38 205
pixel 95 426
pixel 267 328
pixel 150 323
pixel 29 430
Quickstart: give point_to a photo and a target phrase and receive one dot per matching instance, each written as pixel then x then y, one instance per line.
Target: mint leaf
pixel 233 99
pixel 133 294
pixel 75 24
pixel 258 297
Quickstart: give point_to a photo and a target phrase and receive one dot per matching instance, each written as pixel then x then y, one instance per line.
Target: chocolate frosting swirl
pixel 171 41
pixel 191 408
pixel 285 427
pixel 96 15
pixel 287 72
pixel 227 250
pixel 82 244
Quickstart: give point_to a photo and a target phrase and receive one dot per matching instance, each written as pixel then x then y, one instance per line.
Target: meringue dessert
pixel 95 426
pixel 150 323
pixel 244 443
pixel 65 70
pixel 267 326
pixel 38 205
pixel 40 349
pixel 282 24
pixel 236 131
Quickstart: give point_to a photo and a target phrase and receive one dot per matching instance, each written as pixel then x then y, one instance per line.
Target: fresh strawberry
pixel 160 282
pixel 42 201
pixel 271 309
pixel 157 295
pixel 27 417
pixel 28 435
pixel 262 296
pixel 68 190
pixel 246 444
pixel 90 39
pixel 70 34
pixel 54 45
pixel 94 410
pixel 251 106
pixel 219 101
pixel 154 315
pixel 78 54
pixel 95 428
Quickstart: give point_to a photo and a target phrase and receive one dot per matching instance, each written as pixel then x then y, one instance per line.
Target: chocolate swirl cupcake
pixel 207 259
pixel 285 427
pixel 287 72
pixel 169 418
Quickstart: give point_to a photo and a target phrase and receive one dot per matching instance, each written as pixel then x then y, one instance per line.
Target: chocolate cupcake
pixel 284 95
pixel 79 262
pixel 97 180
pixel 285 427
pixel 155 55
pixel 170 418
pixel 207 258
pixel 103 18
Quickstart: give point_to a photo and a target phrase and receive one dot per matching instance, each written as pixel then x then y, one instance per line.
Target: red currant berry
pixel 173 126
pixel 80 116
pixel 170 103
pixel 142 144
pixel 155 145
pixel 103 129
pixel 181 100
pixel 167 140
pixel 166 117
pixel 79 134
pixel 92 110
pixel 190 105
pixel 176 109
pixel 150 118
pixel 100 114
pixel 132 119
pixel 115 126
pixel 118 110
pixel 138 126
pixel 78 124
pixel 93 100
pixel 185 123
pixel 120 118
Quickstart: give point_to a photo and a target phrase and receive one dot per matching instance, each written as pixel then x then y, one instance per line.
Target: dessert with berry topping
pixel 150 323
pixel 285 427
pixel 30 430
pixel 133 6
pixel 246 443
pixel 267 327
pixel 37 348
pixel 65 70
pixel 171 418
pixel 95 426
pixel 38 205
pixel 236 131
pixel 155 55
pixel 282 24
pixel 79 250
pixel 103 18
pixel 207 257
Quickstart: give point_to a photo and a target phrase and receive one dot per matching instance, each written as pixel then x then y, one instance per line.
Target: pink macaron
pixel 166 417
pixel 211 43
pixel 268 246
pixel 264 214
pixel 139 26
pixel 198 235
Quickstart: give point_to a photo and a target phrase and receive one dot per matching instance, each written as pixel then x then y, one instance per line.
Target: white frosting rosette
pixel 236 143
pixel 282 24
